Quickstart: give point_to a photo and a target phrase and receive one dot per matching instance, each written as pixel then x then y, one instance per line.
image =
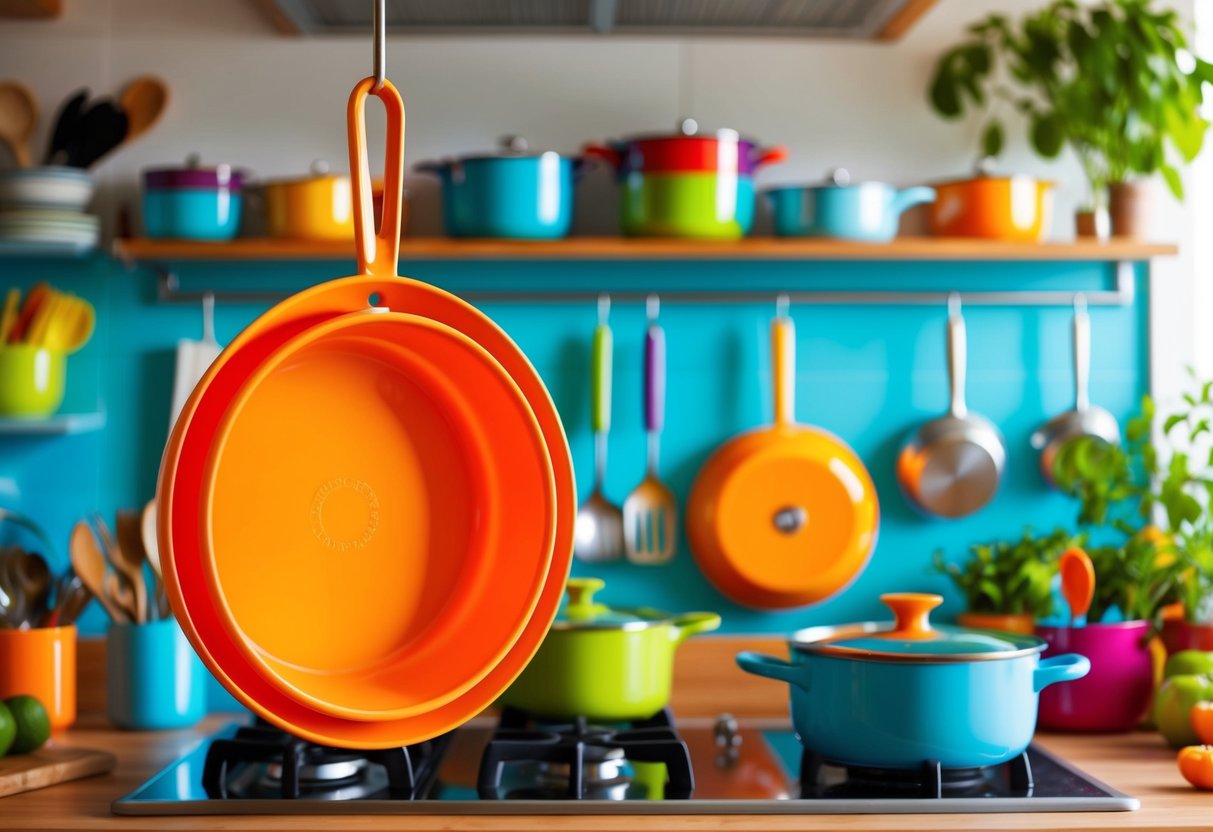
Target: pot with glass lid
pixel 901 694
pixel 604 664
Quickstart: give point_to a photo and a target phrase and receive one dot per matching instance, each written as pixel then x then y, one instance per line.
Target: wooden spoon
pixel 89 564
pixel 144 100
pixel 18 116
pixel 127 566
pixel 1077 583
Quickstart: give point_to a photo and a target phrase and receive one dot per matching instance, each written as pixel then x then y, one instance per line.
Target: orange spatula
pixel 1077 583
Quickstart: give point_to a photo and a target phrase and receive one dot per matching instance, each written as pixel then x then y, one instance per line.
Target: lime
pixel 8 729
pixel 33 723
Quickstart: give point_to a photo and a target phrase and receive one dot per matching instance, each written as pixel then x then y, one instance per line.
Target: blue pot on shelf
pixel 866 212
pixel 513 194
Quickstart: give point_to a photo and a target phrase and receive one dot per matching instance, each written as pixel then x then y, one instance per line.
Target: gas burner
pixel 821 778
pixel 263 762
pixel 551 760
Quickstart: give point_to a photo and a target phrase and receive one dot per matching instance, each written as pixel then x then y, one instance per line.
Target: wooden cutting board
pixel 48 766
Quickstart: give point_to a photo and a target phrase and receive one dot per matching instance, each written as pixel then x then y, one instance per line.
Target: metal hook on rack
pixel 379 53
pixel 1080 303
pixel 652 307
pixel 953 304
pixel 782 304
pixel 604 308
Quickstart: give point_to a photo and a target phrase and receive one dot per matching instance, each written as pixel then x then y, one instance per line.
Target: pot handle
pixel 694 623
pixel 909 197
pixel 437 167
pixel 1065 668
pixel 601 151
pixel 583 165
pixel 773 668
pixel 770 155
pixel 378 249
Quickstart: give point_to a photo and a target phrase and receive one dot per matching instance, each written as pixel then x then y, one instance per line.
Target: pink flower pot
pixel 1114 696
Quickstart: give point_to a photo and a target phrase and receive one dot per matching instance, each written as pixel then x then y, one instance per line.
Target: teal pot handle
pixel 774 668
pixel 909 197
pixel 693 623
pixel 1064 668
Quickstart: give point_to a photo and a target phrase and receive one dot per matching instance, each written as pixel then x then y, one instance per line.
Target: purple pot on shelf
pixel 1115 695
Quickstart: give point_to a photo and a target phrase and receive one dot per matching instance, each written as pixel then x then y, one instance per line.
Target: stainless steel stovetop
pixel 738 768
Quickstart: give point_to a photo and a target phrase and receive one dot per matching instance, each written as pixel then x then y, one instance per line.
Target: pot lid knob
pixel 911 614
pixel 581 598
pixel 320 167
pixel 985 166
pixel 513 144
pixel 688 127
pixel 840 177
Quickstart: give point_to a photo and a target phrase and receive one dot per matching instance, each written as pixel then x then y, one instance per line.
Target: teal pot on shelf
pixel 866 212
pixel 154 680
pixel 514 194
pixel 192 202
pixel 899 695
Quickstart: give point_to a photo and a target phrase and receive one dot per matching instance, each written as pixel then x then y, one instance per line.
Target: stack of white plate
pixel 46 206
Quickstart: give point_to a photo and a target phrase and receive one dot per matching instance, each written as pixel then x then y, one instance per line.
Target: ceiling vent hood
pixel 858 19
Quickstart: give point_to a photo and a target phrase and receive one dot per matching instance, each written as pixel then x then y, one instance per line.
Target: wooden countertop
pixel 1138 764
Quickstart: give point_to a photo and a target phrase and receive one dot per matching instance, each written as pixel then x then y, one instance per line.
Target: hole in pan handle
pixel 377 250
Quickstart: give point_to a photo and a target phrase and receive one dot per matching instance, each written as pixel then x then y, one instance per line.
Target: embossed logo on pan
pixel 346 490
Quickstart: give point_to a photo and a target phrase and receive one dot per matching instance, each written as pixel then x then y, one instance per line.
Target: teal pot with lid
pixel 608 665
pixel 513 194
pixel 904 694
pixel 867 212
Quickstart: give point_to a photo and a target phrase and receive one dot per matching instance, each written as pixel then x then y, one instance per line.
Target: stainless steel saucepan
pixel 952 465
pixel 1084 419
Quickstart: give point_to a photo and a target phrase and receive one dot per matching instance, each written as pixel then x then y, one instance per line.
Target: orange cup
pixel 42 663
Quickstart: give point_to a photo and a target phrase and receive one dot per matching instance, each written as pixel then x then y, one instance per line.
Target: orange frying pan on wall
pixel 189 472
pixel 784 515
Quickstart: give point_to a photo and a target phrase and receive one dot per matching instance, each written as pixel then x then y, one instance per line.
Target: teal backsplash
pixel 867 373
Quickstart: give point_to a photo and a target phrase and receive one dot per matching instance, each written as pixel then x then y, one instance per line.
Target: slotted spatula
pixel 650 513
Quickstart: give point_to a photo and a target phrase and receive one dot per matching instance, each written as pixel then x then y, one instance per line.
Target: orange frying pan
pixel 426 543
pixel 785 515
pixel 183 524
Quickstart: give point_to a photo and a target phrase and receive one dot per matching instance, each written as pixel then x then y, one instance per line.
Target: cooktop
pixel 703 766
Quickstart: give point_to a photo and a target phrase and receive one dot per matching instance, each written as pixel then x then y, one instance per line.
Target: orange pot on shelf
pixel 1023 624
pixel 1016 208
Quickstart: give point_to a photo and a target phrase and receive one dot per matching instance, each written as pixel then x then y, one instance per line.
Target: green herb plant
pixel 1009 577
pixel 1113 80
pixel 1149 499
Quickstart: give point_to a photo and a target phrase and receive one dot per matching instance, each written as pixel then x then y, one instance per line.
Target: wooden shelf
pixel 60 425
pixel 618 248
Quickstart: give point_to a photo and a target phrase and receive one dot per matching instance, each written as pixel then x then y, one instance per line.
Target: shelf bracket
pixel 168 290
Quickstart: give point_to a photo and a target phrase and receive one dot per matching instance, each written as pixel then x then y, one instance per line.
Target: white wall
pixel 246 95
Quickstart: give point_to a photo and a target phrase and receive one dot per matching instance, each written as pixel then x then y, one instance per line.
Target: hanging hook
pixel 604 308
pixel 379 56
pixel 953 304
pixel 208 316
pixel 1080 303
pixel 782 303
pixel 652 307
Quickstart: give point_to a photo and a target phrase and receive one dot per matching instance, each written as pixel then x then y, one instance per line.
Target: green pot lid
pixel 580 612
pixel 912 638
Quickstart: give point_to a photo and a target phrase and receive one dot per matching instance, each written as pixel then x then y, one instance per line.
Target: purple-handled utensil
pixel 650 513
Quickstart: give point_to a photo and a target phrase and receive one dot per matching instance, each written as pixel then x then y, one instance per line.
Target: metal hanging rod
pixel 168 290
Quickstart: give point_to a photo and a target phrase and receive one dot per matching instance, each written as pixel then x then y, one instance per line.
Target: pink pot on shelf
pixel 1115 695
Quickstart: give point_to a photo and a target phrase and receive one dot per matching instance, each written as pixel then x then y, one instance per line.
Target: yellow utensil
pixel 72 324
pixel 12 301
pixel 39 327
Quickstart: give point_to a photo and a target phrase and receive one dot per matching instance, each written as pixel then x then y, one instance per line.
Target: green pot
pixel 31 380
pixel 703 205
pixel 606 665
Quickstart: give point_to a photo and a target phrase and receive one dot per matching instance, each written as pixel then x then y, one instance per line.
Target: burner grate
pixel 931 780
pixel 522 737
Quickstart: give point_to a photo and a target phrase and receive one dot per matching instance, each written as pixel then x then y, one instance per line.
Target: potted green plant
pixel 1008 584
pixel 1113 81
pixel 1140 502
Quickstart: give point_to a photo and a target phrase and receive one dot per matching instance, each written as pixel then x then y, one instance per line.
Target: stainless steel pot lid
pixel 581 613
pixel 912 638
pixel 510 147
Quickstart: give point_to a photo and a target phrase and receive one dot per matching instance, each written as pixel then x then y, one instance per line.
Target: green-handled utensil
pixel 599 532
pixel 650 513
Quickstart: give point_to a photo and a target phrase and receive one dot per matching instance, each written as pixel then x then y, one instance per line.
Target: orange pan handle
pixel 783 365
pixel 377 249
